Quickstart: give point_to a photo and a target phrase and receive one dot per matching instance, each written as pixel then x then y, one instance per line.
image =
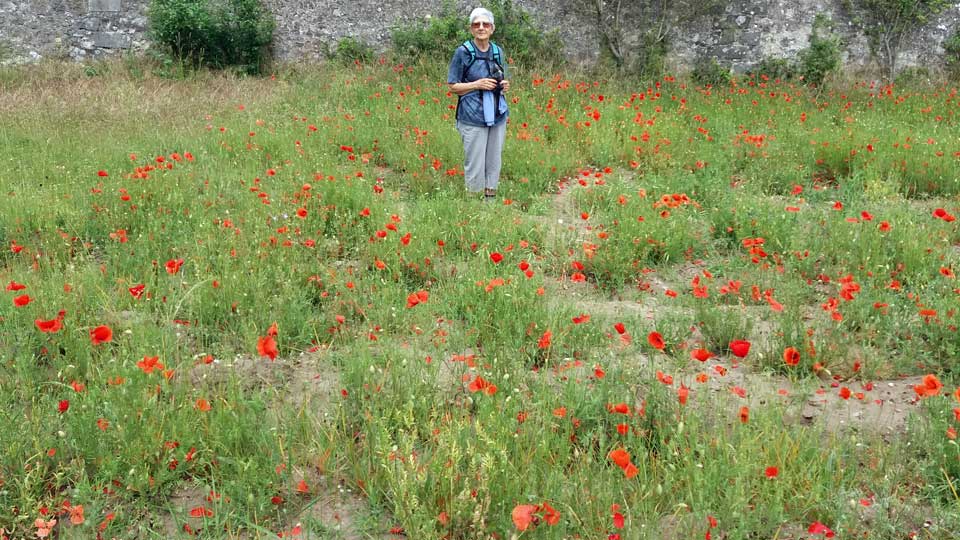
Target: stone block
pixel 90 22
pixel 750 39
pixel 103 6
pixel 728 37
pixel 111 40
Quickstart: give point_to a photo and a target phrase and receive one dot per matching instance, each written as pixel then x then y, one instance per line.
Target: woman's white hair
pixel 481 13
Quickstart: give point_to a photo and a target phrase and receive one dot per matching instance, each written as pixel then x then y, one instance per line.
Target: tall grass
pixel 330 308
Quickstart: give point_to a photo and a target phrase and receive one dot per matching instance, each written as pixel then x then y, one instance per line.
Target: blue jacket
pixel 470 108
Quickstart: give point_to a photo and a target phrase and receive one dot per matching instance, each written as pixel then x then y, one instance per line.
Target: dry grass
pixel 54 89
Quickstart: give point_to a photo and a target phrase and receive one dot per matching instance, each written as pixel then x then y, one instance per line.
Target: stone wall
pixel 78 29
pixel 739 33
pixel 747 31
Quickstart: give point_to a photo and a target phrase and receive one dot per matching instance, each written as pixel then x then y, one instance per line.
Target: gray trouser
pixel 482 147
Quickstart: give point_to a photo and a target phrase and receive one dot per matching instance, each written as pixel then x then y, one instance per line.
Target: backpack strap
pixel 496 54
pixel 472 51
pixel 468 45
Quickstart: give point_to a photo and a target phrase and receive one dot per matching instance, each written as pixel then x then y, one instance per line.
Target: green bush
pixel 822 57
pixel 350 50
pixel 217 34
pixel 650 62
pixel 774 69
pixel 913 77
pixel 709 72
pixel 951 48
pixel 437 37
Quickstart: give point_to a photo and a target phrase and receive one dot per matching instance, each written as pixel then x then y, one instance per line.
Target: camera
pixel 496 73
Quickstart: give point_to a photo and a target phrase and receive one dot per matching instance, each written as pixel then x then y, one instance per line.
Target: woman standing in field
pixel 478 77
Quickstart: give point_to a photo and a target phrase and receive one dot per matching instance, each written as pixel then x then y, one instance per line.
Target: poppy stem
pixel 185 296
pixel 950 483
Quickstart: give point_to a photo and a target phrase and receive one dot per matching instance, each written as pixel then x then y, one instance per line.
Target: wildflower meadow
pixel 238 307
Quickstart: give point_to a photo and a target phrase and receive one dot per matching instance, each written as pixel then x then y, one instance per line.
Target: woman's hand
pixel 485 84
pixel 504 86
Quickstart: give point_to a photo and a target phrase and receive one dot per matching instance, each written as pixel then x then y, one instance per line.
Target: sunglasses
pixel 481 24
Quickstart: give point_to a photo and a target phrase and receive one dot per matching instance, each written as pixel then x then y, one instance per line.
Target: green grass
pixel 320 201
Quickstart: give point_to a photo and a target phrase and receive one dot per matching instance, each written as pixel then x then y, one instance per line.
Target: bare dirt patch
pixel 335 510
pixel 338 512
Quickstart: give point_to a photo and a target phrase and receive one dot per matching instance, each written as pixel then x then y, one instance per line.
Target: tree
pixel 887 23
pixel 656 20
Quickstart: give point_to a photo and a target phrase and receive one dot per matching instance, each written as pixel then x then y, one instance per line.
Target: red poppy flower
pixel 496 257
pixel 739 348
pixel 940 213
pixel 522 516
pixel 550 514
pixel 50 327
pixel 682 394
pixel 267 346
pixel 744 415
pixel 101 334
pixel 930 387
pixel 619 408
pixel 76 514
pixel 63 406
pixel 844 393
pixel 545 340
pixel 22 300
pixel 819 528
pixel 617 520
pixel 620 456
pixel 665 379
pixel 173 266
pixel 701 355
pixel 201 512
pixel 102 173
pixel 14 286
pixel 656 340
pixel 418 297
pixel 791 356
pixel 137 290
pixel 771 472
pixel 150 363
pixel 479 384
pixel 620 328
